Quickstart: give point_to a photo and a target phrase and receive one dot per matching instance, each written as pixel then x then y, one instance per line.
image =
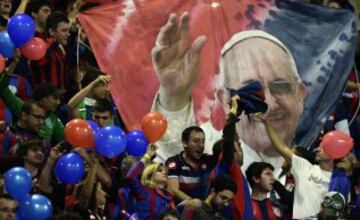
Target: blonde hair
pixel 146 177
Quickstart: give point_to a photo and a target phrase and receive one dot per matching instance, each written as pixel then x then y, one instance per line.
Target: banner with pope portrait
pixel 321 40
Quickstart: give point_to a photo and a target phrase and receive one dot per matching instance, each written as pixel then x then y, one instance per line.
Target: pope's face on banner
pixel 259 59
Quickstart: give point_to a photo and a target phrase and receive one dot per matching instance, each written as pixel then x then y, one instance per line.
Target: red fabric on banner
pixel 123 33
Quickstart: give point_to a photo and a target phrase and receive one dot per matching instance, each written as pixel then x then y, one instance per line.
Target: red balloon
pixel 79 133
pixel 337 144
pixel 153 125
pixel 2 63
pixel 35 49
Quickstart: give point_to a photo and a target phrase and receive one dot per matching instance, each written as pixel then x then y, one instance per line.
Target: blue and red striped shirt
pixel 53 68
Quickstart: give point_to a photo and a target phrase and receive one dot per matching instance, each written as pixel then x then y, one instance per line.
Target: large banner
pixel 322 41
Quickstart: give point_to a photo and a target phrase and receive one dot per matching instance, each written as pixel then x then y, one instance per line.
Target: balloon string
pixel 358 107
pixel 78 56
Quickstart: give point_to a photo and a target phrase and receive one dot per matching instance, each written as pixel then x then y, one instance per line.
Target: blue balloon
pixel 70 168
pixel 7 47
pixel 110 141
pixel 95 127
pixel 21 29
pixel 136 143
pixel 18 182
pixel 35 207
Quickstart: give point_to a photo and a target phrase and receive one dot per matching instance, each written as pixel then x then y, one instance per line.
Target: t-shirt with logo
pixel 192 181
pixel 312 184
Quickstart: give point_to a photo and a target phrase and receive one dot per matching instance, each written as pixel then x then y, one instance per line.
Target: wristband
pixel 233 111
pixel 147 157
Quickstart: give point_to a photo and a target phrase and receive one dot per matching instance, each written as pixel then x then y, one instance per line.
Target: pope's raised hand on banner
pixel 176 61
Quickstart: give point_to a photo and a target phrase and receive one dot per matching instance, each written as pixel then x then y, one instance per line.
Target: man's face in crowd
pixel 257 59
pixel 222 199
pixel 103 119
pixel 35 155
pixel 50 103
pixel 266 180
pixel 195 145
pixel 320 155
pixel 100 91
pixel 5 7
pixel 35 119
pixel 42 15
pixel 61 34
pixel 7 209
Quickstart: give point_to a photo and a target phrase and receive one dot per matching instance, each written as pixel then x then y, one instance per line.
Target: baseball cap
pixel 44 90
pixel 334 204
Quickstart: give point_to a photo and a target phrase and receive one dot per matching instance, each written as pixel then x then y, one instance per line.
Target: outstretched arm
pixel 278 142
pixel 45 183
pixel 228 147
pixel 22 7
pixel 84 92
pixel 76 6
pixel 11 101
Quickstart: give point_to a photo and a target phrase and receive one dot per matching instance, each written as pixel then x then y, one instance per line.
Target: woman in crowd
pixel 150 192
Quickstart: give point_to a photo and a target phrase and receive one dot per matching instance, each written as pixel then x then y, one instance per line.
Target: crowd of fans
pixel 37 98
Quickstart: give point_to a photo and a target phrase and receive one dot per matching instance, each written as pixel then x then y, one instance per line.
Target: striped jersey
pixel 193 181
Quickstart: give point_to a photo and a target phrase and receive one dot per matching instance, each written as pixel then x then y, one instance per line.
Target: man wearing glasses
pixel 248 56
pixel 32 118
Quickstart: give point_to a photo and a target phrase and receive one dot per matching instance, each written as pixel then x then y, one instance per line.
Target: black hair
pixel 35 6
pixel 6 196
pixel 54 19
pixel 255 170
pixel 306 154
pixel 26 145
pixel 103 105
pixel 186 133
pixel 223 182
pixel 92 74
pixel 168 212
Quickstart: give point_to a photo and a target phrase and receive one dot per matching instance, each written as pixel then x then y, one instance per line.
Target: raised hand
pixel 104 79
pixel 176 61
pixel 151 150
pixel 55 153
pixel 234 108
